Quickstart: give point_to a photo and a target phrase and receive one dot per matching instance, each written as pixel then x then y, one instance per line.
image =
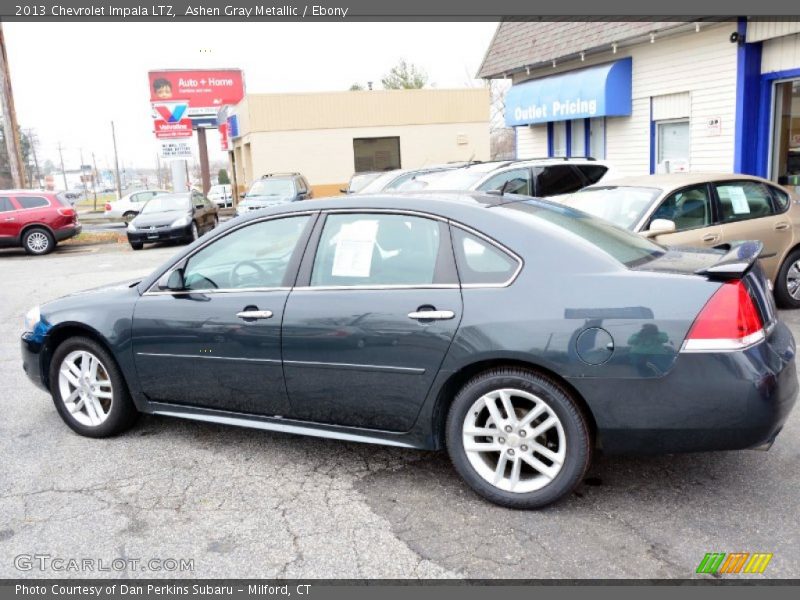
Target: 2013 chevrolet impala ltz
pixel 519 334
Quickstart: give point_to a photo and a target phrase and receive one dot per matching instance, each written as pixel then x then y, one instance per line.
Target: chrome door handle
pixel 710 238
pixel 782 226
pixel 255 314
pixel 432 315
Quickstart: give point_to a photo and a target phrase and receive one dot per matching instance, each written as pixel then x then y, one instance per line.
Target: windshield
pixel 167 202
pixel 272 187
pixel 359 180
pixel 623 206
pixel 626 247
pixel 380 182
pixel 421 181
pixel 457 179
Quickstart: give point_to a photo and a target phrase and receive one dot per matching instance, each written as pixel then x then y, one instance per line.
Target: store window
pixel 577 137
pixel 786 134
pixel 376 154
pixel 672 143
pixel 597 137
pixel 560 138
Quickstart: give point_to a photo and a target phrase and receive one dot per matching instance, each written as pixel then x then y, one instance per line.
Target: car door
pixel 691 209
pixel 10 222
pixel 747 212
pixel 513 181
pixel 216 342
pixel 371 319
pixel 200 212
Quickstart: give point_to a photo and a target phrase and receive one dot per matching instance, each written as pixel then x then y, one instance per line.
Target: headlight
pixel 32 317
pixel 181 221
pixel 131 226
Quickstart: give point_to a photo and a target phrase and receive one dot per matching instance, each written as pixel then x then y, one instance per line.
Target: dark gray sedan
pixel 521 335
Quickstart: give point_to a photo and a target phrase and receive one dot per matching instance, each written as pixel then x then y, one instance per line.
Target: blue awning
pixel 600 91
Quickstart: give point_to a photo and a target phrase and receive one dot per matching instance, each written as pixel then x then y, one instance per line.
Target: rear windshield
pixel 622 205
pixel 628 248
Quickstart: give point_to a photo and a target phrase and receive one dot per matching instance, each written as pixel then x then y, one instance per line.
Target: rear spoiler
pixel 735 263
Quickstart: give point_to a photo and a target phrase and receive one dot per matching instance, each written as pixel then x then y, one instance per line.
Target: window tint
pixel 743 200
pixel 5 204
pixel 593 173
pixel 480 262
pixel 557 179
pixel 782 200
pixel 516 181
pixel 688 209
pixel 32 201
pixel 253 256
pixel 372 249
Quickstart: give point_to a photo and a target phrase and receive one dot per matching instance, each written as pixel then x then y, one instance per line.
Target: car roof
pixel 34 192
pixel 671 181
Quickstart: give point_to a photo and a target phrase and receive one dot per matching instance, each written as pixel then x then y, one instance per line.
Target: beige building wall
pixel 313 133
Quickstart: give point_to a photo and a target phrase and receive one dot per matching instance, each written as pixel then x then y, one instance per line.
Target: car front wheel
pixel 787 284
pixel 193 232
pixel 518 438
pixel 88 389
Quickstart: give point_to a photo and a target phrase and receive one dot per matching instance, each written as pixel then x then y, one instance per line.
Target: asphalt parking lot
pixel 245 503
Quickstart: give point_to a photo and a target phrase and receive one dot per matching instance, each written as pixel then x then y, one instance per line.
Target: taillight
pixel 728 321
pixel 108 206
pixel 66 212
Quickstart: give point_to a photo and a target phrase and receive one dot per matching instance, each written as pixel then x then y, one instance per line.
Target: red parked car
pixel 37 221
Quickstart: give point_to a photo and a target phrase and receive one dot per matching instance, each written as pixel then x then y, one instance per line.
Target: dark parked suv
pixel 37 221
pixel 274 189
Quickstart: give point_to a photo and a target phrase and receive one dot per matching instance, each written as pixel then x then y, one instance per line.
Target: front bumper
pixel 160 234
pixel 32 352
pixel 708 401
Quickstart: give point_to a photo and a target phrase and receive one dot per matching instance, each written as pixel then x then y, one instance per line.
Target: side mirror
pixel 660 226
pixel 344 190
pixel 172 281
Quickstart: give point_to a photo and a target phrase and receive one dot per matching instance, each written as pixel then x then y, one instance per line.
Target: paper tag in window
pixel 738 200
pixel 355 244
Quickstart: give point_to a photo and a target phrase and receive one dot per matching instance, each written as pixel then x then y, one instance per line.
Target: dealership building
pixel 655 96
pixel 329 136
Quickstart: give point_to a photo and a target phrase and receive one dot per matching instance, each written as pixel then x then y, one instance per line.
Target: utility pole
pixel 32 141
pixel 158 172
pixel 116 161
pixel 63 172
pixel 205 176
pixel 10 118
pixel 96 180
pixel 83 178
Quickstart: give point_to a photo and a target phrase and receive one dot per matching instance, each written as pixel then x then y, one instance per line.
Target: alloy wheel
pixel 793 280
pixel 195 233
pixel 38 242
pixel 85 388
pixel 514 440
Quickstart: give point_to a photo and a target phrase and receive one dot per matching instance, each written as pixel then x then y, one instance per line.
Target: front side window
pixel 688 208
pixel 481 262
pixel 743 200
pixel 32 201
pixel 255 256
pixel 556 180
pixel 515 181
pixel 376 249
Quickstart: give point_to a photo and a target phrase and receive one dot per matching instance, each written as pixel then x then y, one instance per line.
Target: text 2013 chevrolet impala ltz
pixel 519 334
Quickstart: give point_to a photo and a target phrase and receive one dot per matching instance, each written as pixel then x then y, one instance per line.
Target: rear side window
pixel 63 200
pixel 556 180
pixel 5 204
pixel 782 200
pixel 593 173
pixel 480 262
pixel 515 181
pixel 743 200
pixel 32 201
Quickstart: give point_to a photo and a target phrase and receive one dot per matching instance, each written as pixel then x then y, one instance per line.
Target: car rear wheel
pixel 38 240
pixel 128 216
pixel 193 232
pixel 88 389
pixel 787 284
pixel 518 438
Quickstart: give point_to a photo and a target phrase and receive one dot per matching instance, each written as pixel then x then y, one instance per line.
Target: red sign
pixel 223 136
pixel 200 88
pixel 179 129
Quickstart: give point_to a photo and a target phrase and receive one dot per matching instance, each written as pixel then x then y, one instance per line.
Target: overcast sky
pixel 70 80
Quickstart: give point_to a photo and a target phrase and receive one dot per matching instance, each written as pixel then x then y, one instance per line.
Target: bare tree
pixel 501 138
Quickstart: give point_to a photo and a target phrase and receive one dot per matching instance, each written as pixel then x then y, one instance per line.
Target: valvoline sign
pixel 165 130
pixel 171 112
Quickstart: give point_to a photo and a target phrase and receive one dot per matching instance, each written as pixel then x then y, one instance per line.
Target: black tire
pixel 38 241
pixel 782 296
pixel 577 434
pixel 128 216
pixel 137 245
pixel 194 233
pixel 215 224
pixel 122 413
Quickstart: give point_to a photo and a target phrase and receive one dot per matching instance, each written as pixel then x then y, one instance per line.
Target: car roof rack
pixel 287 174
pixel 564 158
